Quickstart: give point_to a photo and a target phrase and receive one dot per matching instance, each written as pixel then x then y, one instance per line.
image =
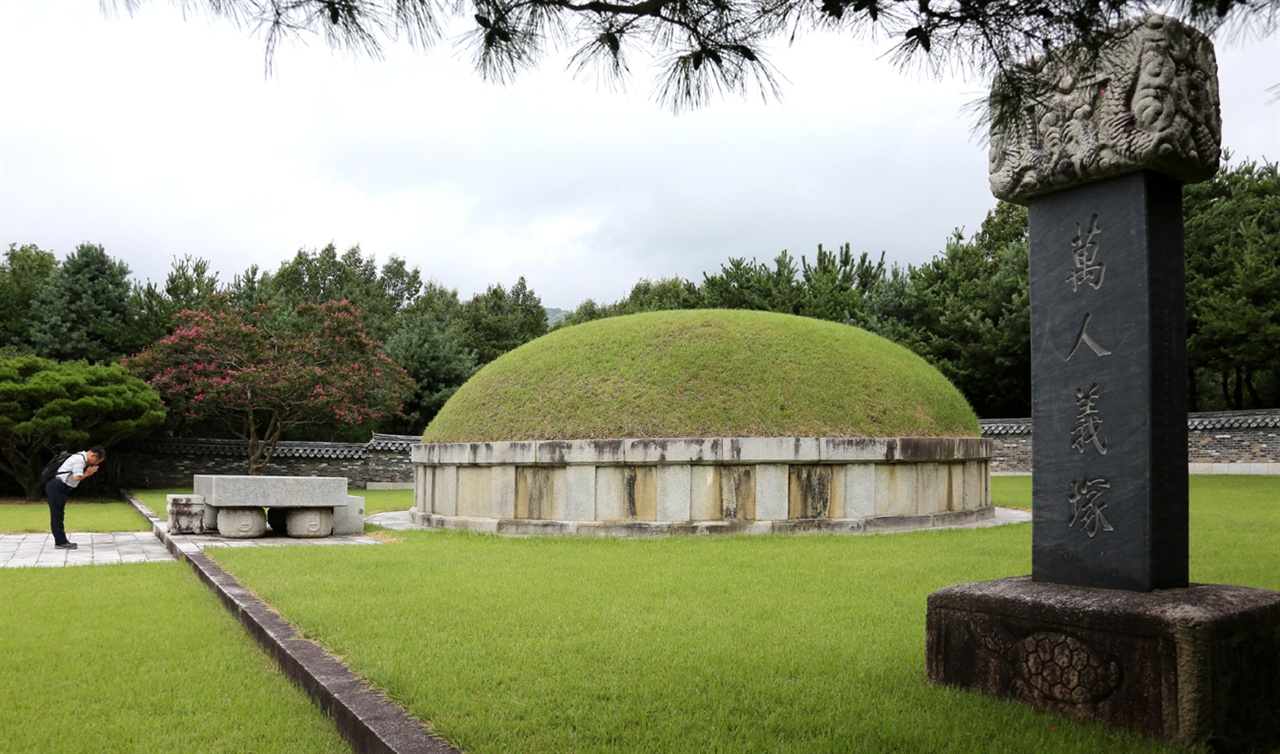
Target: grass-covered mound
pixel 705 373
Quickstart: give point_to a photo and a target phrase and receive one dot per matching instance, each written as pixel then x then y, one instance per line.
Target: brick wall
pixel 1227 442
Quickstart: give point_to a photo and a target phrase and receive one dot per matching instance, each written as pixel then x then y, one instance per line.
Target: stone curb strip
pixel 366 718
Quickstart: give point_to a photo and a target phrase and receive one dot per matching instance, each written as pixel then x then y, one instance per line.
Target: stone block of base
pixel 349 519
pixel 308 523
pixel 1193 665
pixel 242 523
pixel 185 514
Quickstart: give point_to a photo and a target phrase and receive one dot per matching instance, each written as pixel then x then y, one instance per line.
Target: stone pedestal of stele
pixel 1108 626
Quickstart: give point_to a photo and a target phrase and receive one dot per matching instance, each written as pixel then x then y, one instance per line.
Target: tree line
pixel 967 311
pixel 328 346
pixel 331 346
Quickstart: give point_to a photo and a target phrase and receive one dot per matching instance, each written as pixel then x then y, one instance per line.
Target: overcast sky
pixel 159 137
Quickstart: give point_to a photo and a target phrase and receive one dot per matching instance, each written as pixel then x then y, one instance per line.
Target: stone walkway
pixel 37 550
pixel 26 550
pixel 392 520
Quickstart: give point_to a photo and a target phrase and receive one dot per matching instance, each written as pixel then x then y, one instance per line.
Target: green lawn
pixel 734 644
pixel 139 658
pixel 379 501
pixel 80 517
pixel 1011 491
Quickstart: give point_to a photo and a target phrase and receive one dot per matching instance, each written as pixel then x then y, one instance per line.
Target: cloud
pixel 159 137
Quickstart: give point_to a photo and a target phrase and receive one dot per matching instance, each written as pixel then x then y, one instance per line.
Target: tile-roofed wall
pixel 173 462
pixel 1218 442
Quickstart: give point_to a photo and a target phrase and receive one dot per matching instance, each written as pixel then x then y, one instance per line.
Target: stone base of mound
pixel 702 485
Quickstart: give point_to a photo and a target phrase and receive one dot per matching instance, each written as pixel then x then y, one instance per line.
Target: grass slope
pixel 705 374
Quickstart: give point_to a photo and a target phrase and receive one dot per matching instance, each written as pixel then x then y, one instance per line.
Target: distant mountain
pixel 555 315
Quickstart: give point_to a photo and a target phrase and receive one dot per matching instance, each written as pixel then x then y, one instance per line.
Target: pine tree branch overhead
pixel 710 46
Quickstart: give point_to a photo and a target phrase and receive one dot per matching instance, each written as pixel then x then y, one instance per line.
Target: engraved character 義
pixel 1088 422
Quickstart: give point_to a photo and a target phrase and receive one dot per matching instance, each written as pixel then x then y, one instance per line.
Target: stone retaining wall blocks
pixel 699 485
pixel 672 451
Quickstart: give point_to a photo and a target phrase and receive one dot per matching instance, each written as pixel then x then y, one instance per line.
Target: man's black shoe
pixel 67 546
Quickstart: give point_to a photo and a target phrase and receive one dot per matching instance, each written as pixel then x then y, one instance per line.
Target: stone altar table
pixel 241 506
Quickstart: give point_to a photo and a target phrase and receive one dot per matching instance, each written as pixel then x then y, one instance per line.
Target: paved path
pixel 28 550
pixel 392 520
pixel 25 550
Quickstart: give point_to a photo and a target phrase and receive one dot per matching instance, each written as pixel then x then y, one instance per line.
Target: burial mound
pixel 702 374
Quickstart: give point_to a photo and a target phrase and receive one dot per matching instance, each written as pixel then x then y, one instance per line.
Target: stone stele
pixel 1149 100
pixel 1108 628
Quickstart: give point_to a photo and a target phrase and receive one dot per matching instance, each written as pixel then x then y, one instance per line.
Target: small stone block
pixel 670 451
pixel 309 523
pixel 591 452
pixel 943 448
pixel 445 491
pixel 349 519
pixel 859 490
pixel 772 450
pixel 1189 666
pixel 475 496
pixel 185 513
pixel 242 523
pixel 501 453
pixel 773 492
pixel 896 490
pixel 453 453
pixel 423 453
pixel 674 493
pixel 832 449
pixel 580 493
pixel 611 493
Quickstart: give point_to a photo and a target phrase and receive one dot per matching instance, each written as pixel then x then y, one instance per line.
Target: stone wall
pixel 1228 442
pixel 383 462
pixel 702 485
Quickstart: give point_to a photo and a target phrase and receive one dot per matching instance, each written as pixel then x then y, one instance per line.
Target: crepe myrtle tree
pixel 708 46
pixel 235 368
